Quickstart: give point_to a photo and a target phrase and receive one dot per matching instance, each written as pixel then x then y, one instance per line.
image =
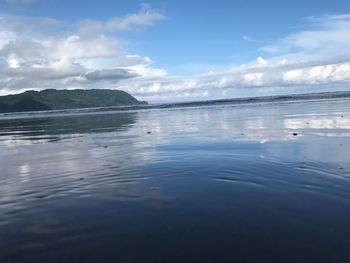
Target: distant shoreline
pixel 235 101
pixel 260 99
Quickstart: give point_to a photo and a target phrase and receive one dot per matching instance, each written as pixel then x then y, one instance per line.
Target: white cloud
pixel 271 77
pixel 250 39
pixel 312 60
pixel 15 25
pixel 36 53
pixel 326 36
pixel 144 18
pixel 261 61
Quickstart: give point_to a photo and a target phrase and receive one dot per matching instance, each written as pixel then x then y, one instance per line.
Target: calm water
pixel 212 184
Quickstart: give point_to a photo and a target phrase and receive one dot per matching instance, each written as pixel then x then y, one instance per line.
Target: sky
pixel 165 51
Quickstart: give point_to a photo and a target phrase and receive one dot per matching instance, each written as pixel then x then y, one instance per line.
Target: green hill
pixel 52 99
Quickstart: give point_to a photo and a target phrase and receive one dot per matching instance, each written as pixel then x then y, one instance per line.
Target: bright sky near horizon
pixel 163 50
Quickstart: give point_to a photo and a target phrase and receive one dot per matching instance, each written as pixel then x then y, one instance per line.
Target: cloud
pixel 144 18
pixel 326 36
pixel 250 39
pixel 250 80
pixel 39 53
pixel 311 60
pixel 110 74
pixel 261 61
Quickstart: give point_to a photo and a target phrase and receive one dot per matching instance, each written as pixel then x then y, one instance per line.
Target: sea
pixel 248 181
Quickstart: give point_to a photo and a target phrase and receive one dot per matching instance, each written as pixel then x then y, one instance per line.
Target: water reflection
pixel 53 128
pixel 233 180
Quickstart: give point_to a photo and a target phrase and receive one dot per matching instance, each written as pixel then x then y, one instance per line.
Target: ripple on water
pixel 229 180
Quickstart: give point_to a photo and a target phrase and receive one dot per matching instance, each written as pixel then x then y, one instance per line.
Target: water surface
pixel 228 183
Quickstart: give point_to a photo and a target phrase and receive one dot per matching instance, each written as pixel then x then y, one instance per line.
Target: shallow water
pixel 228 183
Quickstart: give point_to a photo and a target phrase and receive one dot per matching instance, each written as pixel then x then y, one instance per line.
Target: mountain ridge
pixel 52 99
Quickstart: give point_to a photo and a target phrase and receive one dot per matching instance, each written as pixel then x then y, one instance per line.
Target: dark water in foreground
pixel 212 184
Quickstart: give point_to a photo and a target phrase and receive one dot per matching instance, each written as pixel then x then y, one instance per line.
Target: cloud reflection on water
pixel 97 154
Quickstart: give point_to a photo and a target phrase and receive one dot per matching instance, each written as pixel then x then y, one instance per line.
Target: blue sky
pixel 175 50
